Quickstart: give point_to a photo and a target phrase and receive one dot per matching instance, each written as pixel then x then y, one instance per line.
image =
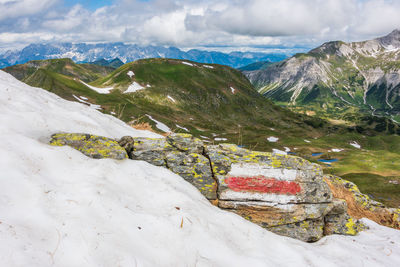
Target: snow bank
pixel 355 144
pixel 98 89
pixel 130 74
pixel 272 139
pixel 83 100
pixel 278 151
pixel 160 125
pixel 60 208
pixel 133 88
pixel 187 63
pixel 171 98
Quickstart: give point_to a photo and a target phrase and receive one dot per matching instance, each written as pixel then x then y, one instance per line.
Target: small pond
pixel 317 154
pixel 327 160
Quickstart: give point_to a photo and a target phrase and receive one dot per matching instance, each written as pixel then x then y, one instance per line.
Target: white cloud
pixel 193 23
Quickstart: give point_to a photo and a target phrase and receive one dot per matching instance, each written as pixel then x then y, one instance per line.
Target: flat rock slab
pixel 262 182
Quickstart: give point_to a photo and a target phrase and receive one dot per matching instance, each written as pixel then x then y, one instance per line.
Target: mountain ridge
pixel 82 52
pixel 359 76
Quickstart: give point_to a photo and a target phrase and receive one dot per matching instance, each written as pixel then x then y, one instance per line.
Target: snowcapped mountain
pixel 61 208
pixel 82 52
pixel 338 74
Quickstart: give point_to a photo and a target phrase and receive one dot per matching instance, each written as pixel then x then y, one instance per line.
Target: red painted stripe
pixel 262 184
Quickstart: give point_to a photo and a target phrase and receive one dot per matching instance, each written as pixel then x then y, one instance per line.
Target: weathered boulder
pixel 93 146
pixel 360 205
pixel 284 194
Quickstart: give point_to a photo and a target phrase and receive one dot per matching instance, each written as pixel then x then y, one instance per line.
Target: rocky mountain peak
pixel 392 39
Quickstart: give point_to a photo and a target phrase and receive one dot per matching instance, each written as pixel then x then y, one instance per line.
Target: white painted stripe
pixel 251 169
pixel 246 196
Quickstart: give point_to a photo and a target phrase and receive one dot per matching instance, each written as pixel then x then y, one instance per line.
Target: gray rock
pixel 307 231
pixel 93 146
pixel 186 143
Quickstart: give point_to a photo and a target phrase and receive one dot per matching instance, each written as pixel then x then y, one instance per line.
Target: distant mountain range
pixel 83 52
pixel 338 78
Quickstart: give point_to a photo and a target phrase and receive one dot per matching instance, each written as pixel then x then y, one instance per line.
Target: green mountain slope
pixel 338 79
pixel 114 63
pixel 255 66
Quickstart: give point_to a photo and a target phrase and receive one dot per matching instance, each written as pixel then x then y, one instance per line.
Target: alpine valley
pixel 218 104
pixel 338 81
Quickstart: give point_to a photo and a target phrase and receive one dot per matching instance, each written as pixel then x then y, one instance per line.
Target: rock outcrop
pixel 93 146
pixel 284 194
pixel 360 205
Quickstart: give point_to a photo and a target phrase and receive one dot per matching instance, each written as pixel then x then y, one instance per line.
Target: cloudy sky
pixel 258 24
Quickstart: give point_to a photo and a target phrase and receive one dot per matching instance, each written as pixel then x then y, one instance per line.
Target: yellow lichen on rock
pixel 91 145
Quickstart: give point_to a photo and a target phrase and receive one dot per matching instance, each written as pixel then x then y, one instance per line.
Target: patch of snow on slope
pixel 272 139
pixel 98 107
pixel 277 151
pixel 355 144
pixel 160 125
pixel 183 128
pixel 307 141
pixel 84 98
pixel 133 88
pixel 130 74
pixel 61 208
pixel 187 63
pixel 170 98
pixel 208 66
pixel 98 89
pixel 336 150
pixel 220 139
pixel 233 90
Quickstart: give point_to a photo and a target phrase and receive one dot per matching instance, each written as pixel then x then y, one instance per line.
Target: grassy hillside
pixel 218 104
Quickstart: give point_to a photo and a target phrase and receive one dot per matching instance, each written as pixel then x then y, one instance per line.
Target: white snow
pixel 171 98
pixel 160 125
pixel 336 150
pixel 98 89
pixel 130 74
pixel 183 128
pixel 187 63
pixel 84 98
pixel 277 151
pixel 61 208
pixel 355 144
pixel 287 149
pixel 133 88
pixel 148 85
pixel 94 106
pixel 272 139
pixel 233 90
pixel 307 141
pixel 220 139
pixel 208 66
